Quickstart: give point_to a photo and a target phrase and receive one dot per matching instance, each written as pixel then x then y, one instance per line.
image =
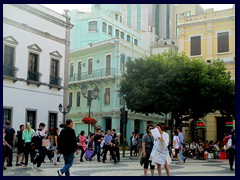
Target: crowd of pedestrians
pixel 63 141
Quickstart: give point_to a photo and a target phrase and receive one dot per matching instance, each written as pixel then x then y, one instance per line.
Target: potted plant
pixel 88 120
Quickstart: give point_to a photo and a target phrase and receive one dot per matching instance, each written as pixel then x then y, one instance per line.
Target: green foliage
pixel 172 83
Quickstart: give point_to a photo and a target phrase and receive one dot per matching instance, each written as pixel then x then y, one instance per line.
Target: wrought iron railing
pixel 34 76
pixel 55 81
pixel 101 73
pixel 10 71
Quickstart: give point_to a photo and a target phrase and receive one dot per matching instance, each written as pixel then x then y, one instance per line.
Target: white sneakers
pixel 36 168
pixel 33 166
pixel 39 169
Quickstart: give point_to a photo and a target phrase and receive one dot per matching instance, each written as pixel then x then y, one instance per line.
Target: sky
pixel 86 7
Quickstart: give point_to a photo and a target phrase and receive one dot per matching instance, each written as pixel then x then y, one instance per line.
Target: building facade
pixel 101 46
pixel 185 10
pixel 34 57
pixel 210 36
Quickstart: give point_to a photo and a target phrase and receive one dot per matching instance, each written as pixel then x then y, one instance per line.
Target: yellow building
pixel 210 36
pixel 186 10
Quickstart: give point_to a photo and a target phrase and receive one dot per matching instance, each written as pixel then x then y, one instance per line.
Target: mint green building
pixel 101 44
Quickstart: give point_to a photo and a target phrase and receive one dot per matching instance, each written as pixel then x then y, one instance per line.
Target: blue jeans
pixel 181 155
pixel 68 161
pixel 98 151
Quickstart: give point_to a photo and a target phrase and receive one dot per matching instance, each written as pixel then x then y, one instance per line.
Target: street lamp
pixel 124 118
pixel 90 95
pixel 64 111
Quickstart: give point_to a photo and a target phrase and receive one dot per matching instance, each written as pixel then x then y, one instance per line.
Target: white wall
pixel 19 96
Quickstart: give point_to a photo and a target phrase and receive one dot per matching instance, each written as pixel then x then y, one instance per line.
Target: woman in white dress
pixel 160 154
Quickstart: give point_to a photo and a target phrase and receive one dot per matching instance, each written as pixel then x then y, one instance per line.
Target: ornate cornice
pixel 32 30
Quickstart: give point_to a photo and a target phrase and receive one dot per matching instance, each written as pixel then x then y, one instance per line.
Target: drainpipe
pixel 69 26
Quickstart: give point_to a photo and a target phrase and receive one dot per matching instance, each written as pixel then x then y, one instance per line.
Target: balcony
pixel 96 75
pixel 34 78
pixel 55 82
pixel 10 73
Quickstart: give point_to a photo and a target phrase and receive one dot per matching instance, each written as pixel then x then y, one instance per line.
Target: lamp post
pixel 89 95
pixel 123 115
pixel 64 111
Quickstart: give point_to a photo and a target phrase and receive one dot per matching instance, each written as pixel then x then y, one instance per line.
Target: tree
pixel 172 83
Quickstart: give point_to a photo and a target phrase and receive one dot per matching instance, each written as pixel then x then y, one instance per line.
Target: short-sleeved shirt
pixel 176 139
pixel 20 141
pixel 9 135
pixel 149 140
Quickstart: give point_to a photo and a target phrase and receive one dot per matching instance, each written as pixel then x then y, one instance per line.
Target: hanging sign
pixel 229 123
pixel 200 124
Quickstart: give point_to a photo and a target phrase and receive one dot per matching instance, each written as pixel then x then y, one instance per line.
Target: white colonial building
pixel 35 62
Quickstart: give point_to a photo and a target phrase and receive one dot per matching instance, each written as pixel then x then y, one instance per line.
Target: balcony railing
pixel 96 74
pixel 10 71
pixel 34 76
pixel 55 81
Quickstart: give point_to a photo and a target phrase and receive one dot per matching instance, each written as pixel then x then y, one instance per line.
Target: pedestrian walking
pixel 181 138
pixel 176 146
pixel 67 147
pixel 108 147
pixel 27 136
pixel 9 138
pixel 98 137
pixel 147 145
pixel 131 144
pixel 47 147
pixel 82 144
pixel 231 150
pixel 56 140
pixel 20 146
pixel 160 153
pixel 116 143
pixel 39 135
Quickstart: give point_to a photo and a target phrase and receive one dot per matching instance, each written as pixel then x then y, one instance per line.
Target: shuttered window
pixel 223 42
pixel 107 96
pixel 195 45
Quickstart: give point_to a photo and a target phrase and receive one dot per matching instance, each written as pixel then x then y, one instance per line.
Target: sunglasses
pixel 150 128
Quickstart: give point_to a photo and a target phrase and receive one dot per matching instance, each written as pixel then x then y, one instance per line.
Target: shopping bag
pixel 89 154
